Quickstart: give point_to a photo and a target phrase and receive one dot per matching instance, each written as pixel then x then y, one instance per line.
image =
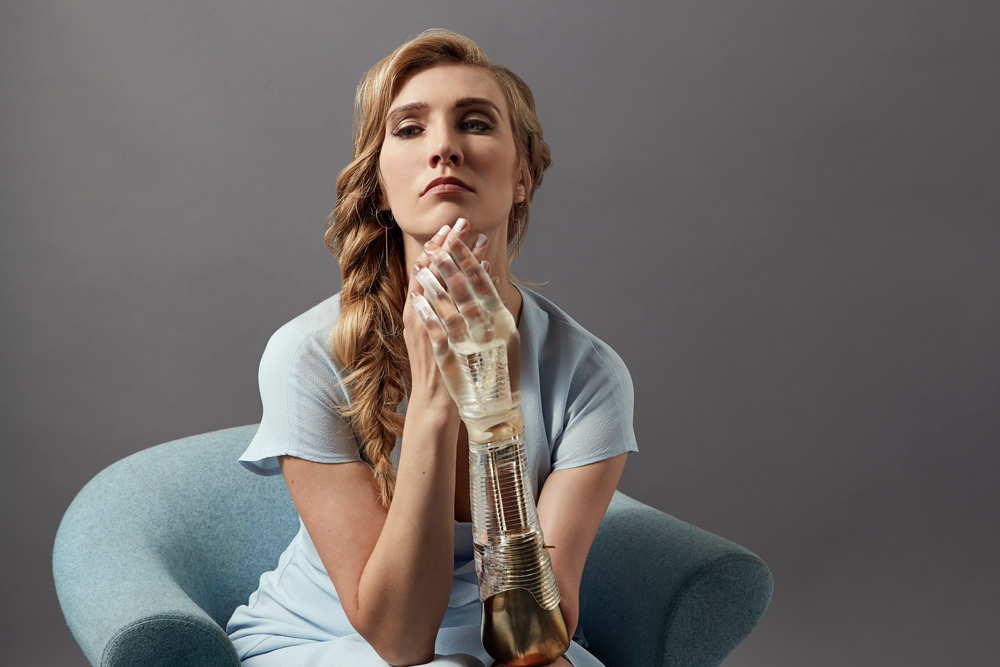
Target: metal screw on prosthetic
pixel 477 347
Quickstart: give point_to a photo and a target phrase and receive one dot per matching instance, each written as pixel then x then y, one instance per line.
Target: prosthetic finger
pixel 444 307
pixel 442 234
pixel 477 276
pixel 431 247
pixel 425 260
pixel 448 363
pixel 477 319
pixel 479 247
pixel 434 327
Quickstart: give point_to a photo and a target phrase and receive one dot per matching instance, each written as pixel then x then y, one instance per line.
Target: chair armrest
pixel 658 591
pixel 122 602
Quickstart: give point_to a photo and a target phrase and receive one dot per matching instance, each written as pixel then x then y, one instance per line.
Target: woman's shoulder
pixel 316 322
pixel 307 334
pixel 563 344
pixel 300 352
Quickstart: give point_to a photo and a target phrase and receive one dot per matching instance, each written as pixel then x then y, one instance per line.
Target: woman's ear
pixel 381 201
pixel 520 190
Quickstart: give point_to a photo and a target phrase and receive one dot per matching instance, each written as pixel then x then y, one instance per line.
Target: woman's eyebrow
pixel 477 101
pixel 403 108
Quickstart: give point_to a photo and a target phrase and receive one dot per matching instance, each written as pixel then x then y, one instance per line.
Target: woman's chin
pixel 424 229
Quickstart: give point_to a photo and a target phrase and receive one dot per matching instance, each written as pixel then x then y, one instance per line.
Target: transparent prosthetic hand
pixel 478 351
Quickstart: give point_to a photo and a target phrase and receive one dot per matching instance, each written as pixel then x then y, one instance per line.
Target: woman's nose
pixel 445 150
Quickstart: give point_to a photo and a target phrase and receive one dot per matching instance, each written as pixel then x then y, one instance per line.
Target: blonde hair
pixel 368 337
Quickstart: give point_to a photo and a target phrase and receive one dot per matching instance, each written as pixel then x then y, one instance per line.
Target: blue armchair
pixel 156 552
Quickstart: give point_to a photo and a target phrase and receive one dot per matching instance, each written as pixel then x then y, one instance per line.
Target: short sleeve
pixel 586 393
pixel 597 415
pixel 300 387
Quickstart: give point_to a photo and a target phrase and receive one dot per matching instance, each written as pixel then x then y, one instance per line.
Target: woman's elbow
pixel 396 647
pixel 404 655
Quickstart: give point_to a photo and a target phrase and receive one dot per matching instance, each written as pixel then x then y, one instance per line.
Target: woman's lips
pixel 445 185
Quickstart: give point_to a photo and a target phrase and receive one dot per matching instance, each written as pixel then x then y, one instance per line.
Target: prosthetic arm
pixel 478 351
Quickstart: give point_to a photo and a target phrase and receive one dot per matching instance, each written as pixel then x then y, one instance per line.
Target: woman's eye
pixel 406 131
pixel 478 125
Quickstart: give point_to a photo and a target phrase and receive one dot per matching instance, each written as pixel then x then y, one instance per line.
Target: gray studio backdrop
pixel 782 215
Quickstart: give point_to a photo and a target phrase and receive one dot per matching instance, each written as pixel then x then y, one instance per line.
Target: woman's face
pixel 448 152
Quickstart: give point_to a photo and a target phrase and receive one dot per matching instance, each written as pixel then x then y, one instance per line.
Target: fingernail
pixel 416 268
pixel 480 241
pixel 461 225
pixel 486 266
pixel 444 231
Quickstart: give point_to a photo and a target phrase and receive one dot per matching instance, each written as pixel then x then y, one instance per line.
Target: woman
pixel 446 146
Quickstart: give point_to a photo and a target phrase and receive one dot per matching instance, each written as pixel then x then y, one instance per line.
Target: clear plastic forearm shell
pixel 480 362
pixel 522 622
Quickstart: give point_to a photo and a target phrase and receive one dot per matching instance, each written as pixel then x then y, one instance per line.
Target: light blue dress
pixel 576 396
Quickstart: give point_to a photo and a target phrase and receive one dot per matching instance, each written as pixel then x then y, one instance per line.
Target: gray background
pixel 783 216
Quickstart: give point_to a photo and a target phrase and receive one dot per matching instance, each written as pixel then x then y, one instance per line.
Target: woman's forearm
pixel 571 507
pixel 405 586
